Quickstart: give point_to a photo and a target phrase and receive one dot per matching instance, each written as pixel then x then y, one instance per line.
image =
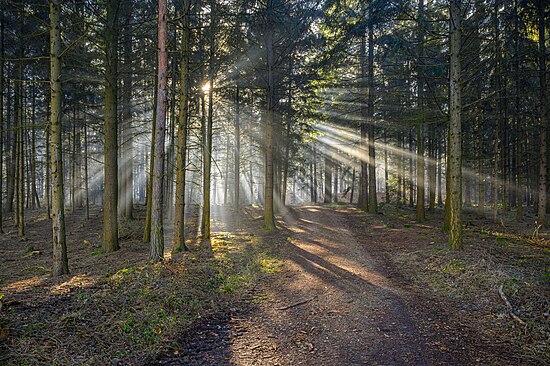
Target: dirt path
pixel 337 302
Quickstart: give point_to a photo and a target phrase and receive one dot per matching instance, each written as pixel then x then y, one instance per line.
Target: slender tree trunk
pixel 543 117
pixel 157 225
pixel 455 130
pixel 205 224
pixel 328 180
pixel 149 193
pixel 179 211
pixel 352 185
pixel 386 173
pixel 411 169
pixel 60 262
pixel 373 200
pixel 127 146
pixel 86 188
pixel 269 214
pixel 420 164
pixel 110 199
pixel 363 144
pixel 20 148
pixel 1 120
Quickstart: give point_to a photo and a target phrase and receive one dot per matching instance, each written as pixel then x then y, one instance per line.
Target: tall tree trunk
pixel 543 117
pixel 60 262
pixel 518 123
pixel 157 225
pixel 179 211
pixel 420 165
pixel 373 200
pixel 455 130
pixel 386 173
pixel 269 214
pixel 127 146
pixel 207 167
pixel 363 144
pixel 1 120
pixel 110 199
pixel 149 190
pixel 86 188
pixel 20 150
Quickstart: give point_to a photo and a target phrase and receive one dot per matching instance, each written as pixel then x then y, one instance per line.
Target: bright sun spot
pixel 206 88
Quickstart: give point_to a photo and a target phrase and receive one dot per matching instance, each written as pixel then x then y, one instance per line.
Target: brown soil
pixel 342 300
pixel 355 289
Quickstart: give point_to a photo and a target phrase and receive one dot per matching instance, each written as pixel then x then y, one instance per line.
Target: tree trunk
pixel 110 199
pixel 455 130
pixel 60 262
pixel 1 120
pixel 181 159
pixel 157 225
pixel 127 146
pixel 543 117
pixel 269 215
pixel 205 224
pixel 20 150
pixel 373 200
pixel 328 180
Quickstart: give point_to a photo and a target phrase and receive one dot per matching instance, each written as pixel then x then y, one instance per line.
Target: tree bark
pixel 455 129
pixel 179 212
pixel 157 224
pixel 269 214
pixel 543 117
pixel 110 199
pixel 60 262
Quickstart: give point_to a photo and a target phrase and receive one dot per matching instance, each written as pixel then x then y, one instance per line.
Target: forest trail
pixel 337 302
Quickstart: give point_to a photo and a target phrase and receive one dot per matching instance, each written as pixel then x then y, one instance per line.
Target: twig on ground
pixel 295 304
pixel 510 308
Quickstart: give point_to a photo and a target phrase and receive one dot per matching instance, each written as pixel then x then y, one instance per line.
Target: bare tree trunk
pixel 1 119
pixel 86 188
pixel 179 211
pixel 455 130
pixel 157 224
pixel 20 150
pixel 328 180
pixel 60 262
pixel 386 167
pixel 269 214
pixel 373 200
pixel 543 117
pixel 127 146
pixel 110 199
pixel 205 224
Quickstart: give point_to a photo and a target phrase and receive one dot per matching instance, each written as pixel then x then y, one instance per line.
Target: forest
pixel 274 182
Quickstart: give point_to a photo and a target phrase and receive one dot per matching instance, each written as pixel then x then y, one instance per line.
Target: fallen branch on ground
pixel 295 304
pixel 510 308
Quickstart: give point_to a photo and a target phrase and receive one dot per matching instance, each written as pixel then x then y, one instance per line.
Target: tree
pixel 110 198
pixel 157 224
pixel 454 172
pixel 60 261
pixel 179 217
pixel 269 213
pixel 543 117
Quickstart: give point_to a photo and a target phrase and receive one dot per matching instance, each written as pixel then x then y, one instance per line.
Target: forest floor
pixel 332 286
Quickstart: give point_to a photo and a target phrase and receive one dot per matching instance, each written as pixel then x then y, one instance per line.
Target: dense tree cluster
pixel 183 103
